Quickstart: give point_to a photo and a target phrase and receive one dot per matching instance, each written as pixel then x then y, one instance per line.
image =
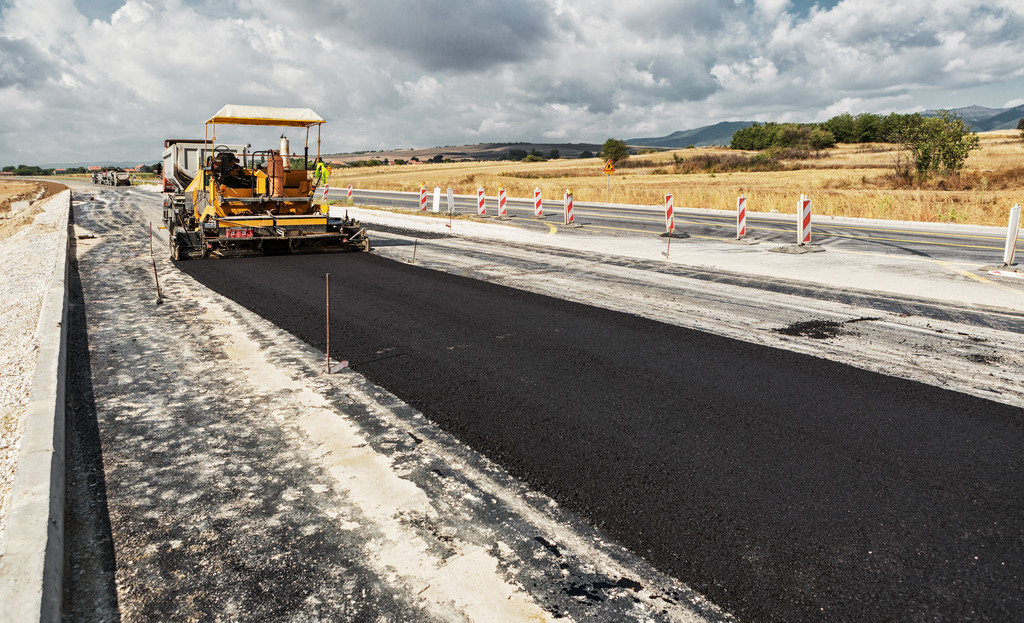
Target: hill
pixel 718 134
pixel 985 119
pixel 481 151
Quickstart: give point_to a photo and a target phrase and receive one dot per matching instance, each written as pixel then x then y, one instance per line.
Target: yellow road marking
pixel 551 228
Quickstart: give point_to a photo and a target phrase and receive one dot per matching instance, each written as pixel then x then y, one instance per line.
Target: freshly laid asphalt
pixel 781 486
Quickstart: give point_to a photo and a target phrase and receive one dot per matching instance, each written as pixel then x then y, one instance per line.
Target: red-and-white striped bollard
pixel 567 204
pixel 423 197
pixel 327 190
pixel 741 218
pixel 538 204
pixel 502 199
pixel 803 226
pixel 481 207
pixel 670 217
pixel 350 192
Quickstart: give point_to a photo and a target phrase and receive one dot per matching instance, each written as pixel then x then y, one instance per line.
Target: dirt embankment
pixel 22 191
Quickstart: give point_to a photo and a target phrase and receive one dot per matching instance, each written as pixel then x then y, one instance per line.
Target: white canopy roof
pixel 236 114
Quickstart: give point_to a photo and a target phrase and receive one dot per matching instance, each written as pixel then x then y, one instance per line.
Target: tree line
pixel 939 143
pixel 34 171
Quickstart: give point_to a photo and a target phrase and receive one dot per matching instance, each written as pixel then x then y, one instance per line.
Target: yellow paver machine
pixel 243 203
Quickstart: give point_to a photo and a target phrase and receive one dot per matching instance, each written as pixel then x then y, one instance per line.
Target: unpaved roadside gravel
pixel 27 260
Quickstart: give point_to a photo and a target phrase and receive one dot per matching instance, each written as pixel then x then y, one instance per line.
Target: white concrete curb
pixel 32 564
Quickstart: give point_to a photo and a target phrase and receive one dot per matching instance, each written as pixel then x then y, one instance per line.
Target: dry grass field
pixel 849 180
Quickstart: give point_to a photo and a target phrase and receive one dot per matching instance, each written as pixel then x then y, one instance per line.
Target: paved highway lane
pixel 782 486
pixel 926 240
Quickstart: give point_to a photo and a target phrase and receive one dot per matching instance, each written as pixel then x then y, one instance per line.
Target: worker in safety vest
pixel 322 172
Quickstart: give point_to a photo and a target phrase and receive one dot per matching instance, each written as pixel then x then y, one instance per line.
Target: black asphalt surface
pixel 782 486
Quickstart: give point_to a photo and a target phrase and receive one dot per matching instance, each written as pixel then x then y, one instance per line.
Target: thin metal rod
pixel 152 256
pixel 328 323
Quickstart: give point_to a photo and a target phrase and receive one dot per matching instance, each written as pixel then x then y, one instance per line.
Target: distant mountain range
pixel 986 119
pixel 982 119
pixel 718 134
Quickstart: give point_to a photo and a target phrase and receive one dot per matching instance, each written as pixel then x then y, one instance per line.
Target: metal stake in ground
pixel 328 349
pixel 159 298
pixel 341 364
pixel 451 207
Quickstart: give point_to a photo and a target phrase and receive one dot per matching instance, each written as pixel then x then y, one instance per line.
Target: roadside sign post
pixel 609 168
pixel 437 199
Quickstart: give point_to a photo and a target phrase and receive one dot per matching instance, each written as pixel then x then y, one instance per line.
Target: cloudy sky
pixel 90 80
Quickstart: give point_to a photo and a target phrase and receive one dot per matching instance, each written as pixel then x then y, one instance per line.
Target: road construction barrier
pixel 423 197
pixel 451 200
pixel 670 217
pixel 803 224
pixel 538 207
pixel 350 192
pixel 502 199
pixel 437 198
pixel 741 217
pixel 327 190
pixel 1011 235
pixel 567 205
pixel 481 207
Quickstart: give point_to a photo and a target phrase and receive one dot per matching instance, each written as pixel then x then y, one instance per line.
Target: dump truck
pixel 245 202
pixel 112 177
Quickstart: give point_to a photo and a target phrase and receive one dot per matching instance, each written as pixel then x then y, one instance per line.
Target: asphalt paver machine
pixel 255 202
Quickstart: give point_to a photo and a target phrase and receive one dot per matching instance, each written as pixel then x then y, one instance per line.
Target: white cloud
pixel 75 88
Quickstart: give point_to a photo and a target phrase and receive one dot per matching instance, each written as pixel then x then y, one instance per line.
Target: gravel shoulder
pixel 29 244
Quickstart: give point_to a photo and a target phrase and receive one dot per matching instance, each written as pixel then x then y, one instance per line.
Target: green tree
pixel 936 144
pixel 841 127
pixel 553 154
pixel 517 154
pixel 9 168
pixel 820 138
pixel 586 153
pixel 615 150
